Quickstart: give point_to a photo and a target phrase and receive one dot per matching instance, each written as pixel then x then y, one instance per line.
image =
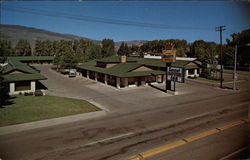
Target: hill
pixel 14 33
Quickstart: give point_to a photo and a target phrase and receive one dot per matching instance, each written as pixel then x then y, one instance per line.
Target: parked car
pixel 72 72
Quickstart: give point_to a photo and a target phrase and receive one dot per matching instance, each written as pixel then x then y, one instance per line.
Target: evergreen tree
pixel 23 48
pixel 5 48
pixel 39 48
pixel 126 51
pixel 135 49
pixel 108 48
pixel 123 50
pixel 4 89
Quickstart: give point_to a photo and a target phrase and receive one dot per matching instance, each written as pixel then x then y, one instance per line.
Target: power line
pixel 97 19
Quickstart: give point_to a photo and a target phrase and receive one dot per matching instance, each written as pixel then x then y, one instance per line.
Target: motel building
pixel 122 71
pixel 21 77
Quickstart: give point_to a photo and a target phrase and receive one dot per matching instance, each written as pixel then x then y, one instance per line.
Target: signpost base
pixel 172 92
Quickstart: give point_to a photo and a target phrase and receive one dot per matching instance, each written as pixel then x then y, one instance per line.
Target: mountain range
pixel 14 33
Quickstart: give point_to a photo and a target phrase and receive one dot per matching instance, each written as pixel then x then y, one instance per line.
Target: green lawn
pixel 239 72
pixel 31 108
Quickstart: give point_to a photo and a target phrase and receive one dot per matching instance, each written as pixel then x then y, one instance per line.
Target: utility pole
pixel 235 61
pixel 221 29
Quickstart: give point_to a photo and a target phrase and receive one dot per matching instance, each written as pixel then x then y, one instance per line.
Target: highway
pixel 122 135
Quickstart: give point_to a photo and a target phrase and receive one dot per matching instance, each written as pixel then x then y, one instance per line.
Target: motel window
pixel 22 86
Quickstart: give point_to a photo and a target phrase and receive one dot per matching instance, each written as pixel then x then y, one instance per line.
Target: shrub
pixel 20 93
pixel 63 71
pixel 205 73
pixel 38 93
pixel 28 93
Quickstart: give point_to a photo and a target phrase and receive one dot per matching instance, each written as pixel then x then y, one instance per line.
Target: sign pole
pixel 169 56
pixel 168 83
pixel 174 83
pixel 166 77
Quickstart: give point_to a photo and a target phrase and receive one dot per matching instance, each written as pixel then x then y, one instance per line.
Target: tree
pixel 135 49
pixel 157 46
pixel 228 57
pixel 48 48
pixel 39 48
pixel 241 39
pixel 108 48
pixel 205 52
pixel 23 48
pixel 4 89
pixel 93 52
pixel 123 50
pixel 5 48
pixel 68 61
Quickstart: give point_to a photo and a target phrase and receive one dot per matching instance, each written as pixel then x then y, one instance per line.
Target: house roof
pixel 23 77
pixel 33 58
pixel 123 69
pixel 143 61
pixel 14 64
pixel 27 73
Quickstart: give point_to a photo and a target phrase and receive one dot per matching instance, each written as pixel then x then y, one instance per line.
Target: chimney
pixel 123 59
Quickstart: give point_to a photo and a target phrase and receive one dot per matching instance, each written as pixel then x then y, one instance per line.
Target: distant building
pixel 21 77
pixel 125 71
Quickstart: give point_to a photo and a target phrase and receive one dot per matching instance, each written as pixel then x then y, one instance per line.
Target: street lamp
pixel 235 61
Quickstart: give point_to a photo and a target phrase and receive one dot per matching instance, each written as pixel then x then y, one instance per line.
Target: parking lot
pixel 131 99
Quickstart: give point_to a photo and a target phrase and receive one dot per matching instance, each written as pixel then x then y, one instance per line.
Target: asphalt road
pixel 139 119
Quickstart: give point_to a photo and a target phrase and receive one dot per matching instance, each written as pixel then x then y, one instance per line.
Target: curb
pixel 49 122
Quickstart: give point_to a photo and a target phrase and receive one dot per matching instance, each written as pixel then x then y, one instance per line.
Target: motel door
pixel 139 81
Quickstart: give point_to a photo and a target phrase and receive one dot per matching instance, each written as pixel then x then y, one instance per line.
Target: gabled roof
pixel 33 58
pixel 15 65
pixel 23 77
pixel 123 69
pixel 116 59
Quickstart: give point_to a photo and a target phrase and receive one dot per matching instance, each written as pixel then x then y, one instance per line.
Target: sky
pixel 131 20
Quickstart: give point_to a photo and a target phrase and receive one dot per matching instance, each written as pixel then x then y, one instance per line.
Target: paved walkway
pixel 50 122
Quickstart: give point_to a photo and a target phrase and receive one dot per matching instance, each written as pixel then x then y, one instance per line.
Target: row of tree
pixel 67 53
pixel 22 48
pixel 78 51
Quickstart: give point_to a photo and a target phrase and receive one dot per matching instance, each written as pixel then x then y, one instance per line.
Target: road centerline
pixel 178 143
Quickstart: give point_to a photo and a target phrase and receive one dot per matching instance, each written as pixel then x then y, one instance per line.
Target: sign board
pixel 169 56
pixel 176 74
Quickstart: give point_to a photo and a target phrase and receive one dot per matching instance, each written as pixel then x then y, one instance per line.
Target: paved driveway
pixel 124 100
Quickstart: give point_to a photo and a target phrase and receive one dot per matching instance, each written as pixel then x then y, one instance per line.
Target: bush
pixel 28 93
pixel 63 71
pixel 20 93
pixel 205 73
pixel 38 93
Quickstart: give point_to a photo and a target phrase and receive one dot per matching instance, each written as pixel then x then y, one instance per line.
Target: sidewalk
pixel 49 122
